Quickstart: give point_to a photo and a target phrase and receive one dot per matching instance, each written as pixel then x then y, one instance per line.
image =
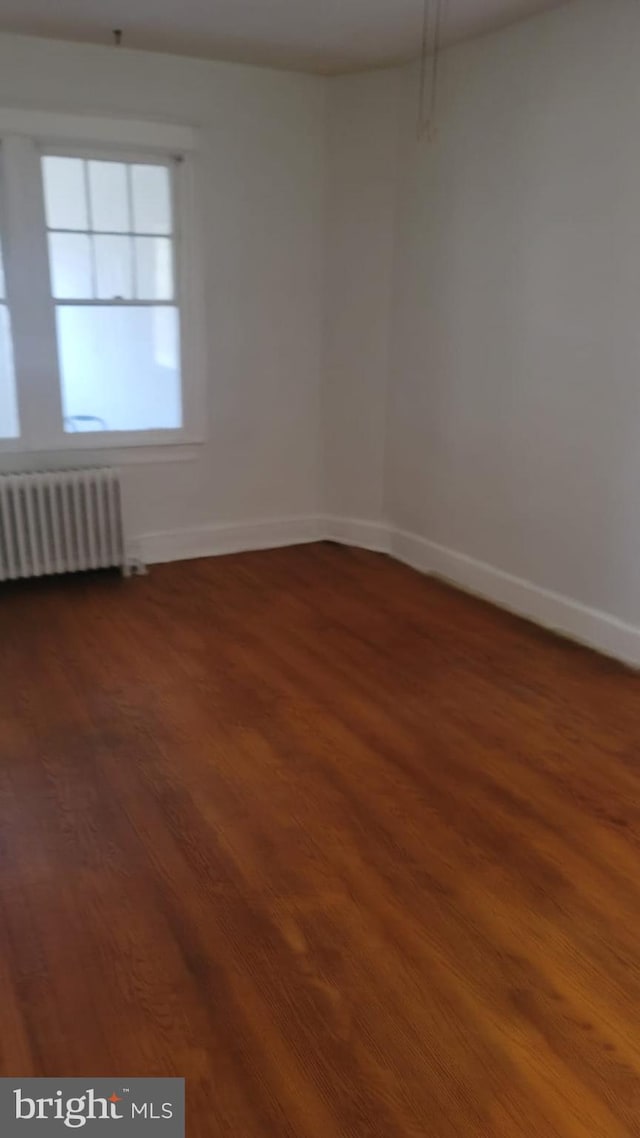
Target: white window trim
pixel 24 136
pixel 93 130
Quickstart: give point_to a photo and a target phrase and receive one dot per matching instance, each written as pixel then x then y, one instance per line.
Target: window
pixel 99 282
pixel 9 427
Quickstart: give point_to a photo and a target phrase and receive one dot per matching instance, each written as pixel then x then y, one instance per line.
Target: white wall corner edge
pixel 375 536
pixel 591 627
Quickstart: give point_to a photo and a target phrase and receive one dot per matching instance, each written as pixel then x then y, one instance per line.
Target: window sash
pixel 110 233
pixel 10 442
pixel 129 159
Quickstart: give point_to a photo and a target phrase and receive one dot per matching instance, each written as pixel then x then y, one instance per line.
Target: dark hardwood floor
pixel 356 854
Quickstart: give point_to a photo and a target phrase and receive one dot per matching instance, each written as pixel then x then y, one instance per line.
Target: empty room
pixel 320 568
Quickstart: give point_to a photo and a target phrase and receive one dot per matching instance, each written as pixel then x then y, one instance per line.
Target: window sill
pixel 158 454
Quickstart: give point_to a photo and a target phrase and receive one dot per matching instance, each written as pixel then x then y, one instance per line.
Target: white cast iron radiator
pixel 60 522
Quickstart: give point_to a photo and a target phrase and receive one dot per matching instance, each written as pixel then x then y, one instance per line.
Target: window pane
pixel 113 268
pixel 120 365
pixel 9 426
pixel 109 197
pixel 65 193
pixel 154 268
pixel 151 199
pixel 70 262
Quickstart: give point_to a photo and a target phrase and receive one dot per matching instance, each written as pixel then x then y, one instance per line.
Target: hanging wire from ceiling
pixel 429 67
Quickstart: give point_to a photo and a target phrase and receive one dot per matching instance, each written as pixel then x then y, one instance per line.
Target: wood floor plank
pixel 353 852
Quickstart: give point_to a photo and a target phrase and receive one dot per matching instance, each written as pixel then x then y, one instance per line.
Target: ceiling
pixel 325 36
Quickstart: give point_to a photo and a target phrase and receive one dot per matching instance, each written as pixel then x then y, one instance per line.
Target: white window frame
pixel 25 136
pixel 4 303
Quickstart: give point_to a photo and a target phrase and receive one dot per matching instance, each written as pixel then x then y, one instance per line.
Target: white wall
pixel 262 181
pixel 362 169
pixel 515 397
pixel 490 283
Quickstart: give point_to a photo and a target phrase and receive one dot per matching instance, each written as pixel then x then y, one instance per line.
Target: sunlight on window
pixel 119 352
pixel 9 424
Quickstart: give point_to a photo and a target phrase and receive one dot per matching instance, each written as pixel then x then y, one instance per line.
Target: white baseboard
pixel 210 541
pixel 588 626
pixel 355 531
